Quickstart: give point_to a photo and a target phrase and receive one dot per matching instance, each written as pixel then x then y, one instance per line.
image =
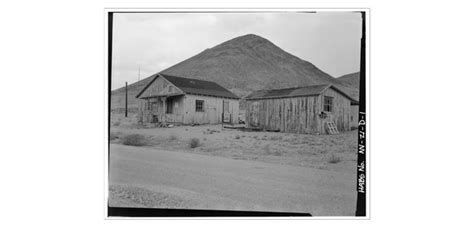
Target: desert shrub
pixel 274 138
pixel 194 142
pixel 114 136
pixel 116 123
pixel 237 137
pixel 333 159
pixel 277 153
pixel 173 137
pixel 134 139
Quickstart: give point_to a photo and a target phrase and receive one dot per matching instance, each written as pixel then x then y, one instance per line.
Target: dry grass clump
pixel 172 137
pixel 134 140
pixel 333 159
pixel 277 153
pixel 273 151
pixel 194 142
pixel 114 136
pixel 237 137
pixel 274 138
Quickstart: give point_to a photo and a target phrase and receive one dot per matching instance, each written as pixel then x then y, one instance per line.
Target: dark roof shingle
pixel 294 92
pixel 195 86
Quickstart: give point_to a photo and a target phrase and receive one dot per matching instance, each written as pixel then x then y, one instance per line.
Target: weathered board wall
pixel 155 106
pixel 354 123
pixel 341 111
pixel 161 87
pixel 212 109
pixel 298 114
pixel 184 110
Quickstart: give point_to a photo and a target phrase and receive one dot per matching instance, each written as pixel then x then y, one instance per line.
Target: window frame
pixel 328 106
pixel 199 105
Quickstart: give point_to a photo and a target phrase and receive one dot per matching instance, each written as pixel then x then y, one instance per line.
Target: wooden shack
pixel 299 110
pixel 179 100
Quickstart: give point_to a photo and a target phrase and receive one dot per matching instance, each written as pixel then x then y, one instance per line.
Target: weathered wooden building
pixel 354 122
pixel 181 100
pixel 299 110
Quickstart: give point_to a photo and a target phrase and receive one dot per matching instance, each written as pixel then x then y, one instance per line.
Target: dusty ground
pixel 329 156
pixel 147 177
pixel 329 152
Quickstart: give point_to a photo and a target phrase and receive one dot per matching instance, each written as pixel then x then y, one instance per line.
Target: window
pixel 328 104
pixel 199 105
pixel 170 89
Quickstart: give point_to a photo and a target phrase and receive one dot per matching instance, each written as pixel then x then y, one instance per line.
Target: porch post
pixel 163 116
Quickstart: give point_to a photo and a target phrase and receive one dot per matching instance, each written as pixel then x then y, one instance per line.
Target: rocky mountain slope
pixel 242 65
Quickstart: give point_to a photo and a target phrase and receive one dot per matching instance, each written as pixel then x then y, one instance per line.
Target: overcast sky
pixel 156 41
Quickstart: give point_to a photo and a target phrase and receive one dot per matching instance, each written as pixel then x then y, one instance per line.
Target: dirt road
pixel 156 178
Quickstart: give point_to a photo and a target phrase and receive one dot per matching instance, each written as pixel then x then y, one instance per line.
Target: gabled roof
pixel 295 92
pixel 194 86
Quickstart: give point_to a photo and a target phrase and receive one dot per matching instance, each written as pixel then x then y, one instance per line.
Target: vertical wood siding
pixel 161 87
pixel 298 114
pixel 212 113
pixel 355 116
pixel 184 110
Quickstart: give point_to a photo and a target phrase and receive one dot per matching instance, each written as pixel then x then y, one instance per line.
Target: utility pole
pixel 126 99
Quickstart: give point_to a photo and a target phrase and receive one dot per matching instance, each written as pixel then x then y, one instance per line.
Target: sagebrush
pixel 194 142
pixel 134 139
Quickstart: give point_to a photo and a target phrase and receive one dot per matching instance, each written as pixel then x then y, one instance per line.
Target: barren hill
pixel 351 79
pixel 243 64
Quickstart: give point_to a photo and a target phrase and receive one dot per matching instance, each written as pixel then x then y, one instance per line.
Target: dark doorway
pixel 169 105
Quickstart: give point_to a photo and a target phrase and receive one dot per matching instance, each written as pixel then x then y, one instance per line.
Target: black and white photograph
pixel 236 117
pixel 251 112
